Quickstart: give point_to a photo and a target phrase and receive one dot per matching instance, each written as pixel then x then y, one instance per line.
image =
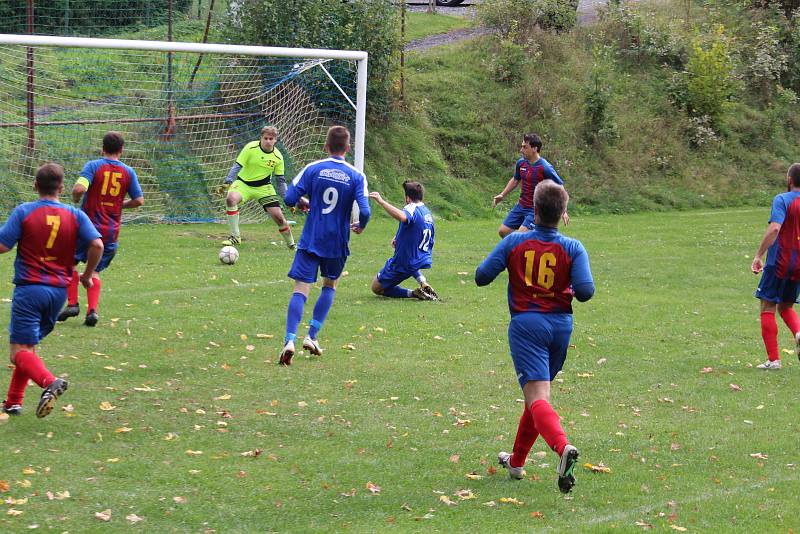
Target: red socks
pixel 769 332
pixel 526 436
pixel 72 289
pixel 16 390
pixel 29 364
pixel 93 294
pixel 789 317
pixel 548 424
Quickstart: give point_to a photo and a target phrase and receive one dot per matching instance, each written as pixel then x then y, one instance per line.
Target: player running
pixel 413 246
pixel 530 170
pixel 331 185
pixel 258 174
pixel 545 270
pixel 780 282
pixel 103 184
pixel 47 234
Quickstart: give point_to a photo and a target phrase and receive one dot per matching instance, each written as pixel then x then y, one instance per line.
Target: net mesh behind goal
pixel 184 117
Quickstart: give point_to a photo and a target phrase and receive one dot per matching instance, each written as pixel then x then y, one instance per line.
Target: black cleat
pixel 91 318
pixel 49 396
pixel 566 478
pixel 69 311
pixel 14 409
pixel 429 291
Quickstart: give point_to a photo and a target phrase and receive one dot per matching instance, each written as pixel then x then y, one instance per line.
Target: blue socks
pixel 321 309
pixel 294 315
pixel 397 292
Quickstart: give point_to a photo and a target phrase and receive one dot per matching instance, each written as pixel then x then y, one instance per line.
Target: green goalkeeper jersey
pixel 258 166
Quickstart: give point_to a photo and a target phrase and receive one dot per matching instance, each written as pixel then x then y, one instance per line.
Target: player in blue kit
pixel 331 185
pixel 545 271
pixel 47 234
pixel 529 171
pixel 780 282
pixel 413 246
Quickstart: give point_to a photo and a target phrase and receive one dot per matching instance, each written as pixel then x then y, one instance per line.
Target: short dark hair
pixel 550 202
pixel 533 140
pixel 49 178
pixel 337 139
pixel 113 143
pixel 414 190
pixel 794 174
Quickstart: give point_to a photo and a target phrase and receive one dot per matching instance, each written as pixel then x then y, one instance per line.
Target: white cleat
pixel 504 459
pixel 312 346
pixel 769 364
pixel 287 353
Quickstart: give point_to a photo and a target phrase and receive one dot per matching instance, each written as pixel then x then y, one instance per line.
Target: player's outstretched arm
pixel 395 212
pixel 494 264
pixel 497 199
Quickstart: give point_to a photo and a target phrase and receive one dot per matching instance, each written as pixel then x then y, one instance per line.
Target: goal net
pixel 184 109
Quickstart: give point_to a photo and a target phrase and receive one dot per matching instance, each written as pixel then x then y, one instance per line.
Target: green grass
pixel 419 25
pixel 673 297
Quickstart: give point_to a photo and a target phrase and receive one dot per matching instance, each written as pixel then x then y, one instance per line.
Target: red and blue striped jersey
pixel 784 254
pixel 543 268
pixel 109 181
pixel 530 174
pixel 47 234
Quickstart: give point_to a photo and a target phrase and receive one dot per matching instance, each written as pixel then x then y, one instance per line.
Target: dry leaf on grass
pixel 455 458
pixel 599 468
pixel 472 475
pixel 105 515
pixel 445 499
pixel 736 387
pixel 373 488
pixel 106 406
pixel 511 500
pixel 133 518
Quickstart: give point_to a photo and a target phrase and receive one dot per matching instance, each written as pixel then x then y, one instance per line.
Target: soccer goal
pixel 185 110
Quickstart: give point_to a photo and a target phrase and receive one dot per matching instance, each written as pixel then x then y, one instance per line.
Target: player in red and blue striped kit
pixel 780 282
pixel 103 184
pixel 545 271
pixel 529 171
pixel 47 234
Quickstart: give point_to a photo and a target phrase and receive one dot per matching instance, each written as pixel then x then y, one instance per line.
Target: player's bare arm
pixel 94 252
pixel 4 249
pixel 510 186
pixel 769 238
pixel 77 192
pixel 133 203
pixel 395 212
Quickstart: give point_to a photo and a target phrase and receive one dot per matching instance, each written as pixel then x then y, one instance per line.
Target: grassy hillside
pixel 460 130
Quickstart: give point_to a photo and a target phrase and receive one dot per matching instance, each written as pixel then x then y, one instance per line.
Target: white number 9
pixel 330 197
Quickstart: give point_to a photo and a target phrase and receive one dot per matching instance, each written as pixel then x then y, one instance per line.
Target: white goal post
pixel 54 101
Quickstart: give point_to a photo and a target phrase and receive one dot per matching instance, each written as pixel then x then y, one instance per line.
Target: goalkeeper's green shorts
pixel 264 194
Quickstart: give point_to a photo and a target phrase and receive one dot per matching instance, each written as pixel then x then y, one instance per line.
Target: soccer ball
pixel 228 255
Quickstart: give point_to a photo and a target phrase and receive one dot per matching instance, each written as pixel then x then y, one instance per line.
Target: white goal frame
pixel 210 48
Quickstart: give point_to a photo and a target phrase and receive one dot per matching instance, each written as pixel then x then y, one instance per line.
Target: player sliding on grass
pixel 413 245
pixel 530 170
pixel 780 282
pixel 258 175
pixel 103 184
pixel 545 270
pixel 47 234
pixel 332 185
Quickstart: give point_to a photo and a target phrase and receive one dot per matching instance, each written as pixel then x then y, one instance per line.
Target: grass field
pixel 424 395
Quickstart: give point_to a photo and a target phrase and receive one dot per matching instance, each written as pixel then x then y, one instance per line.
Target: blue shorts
pixel 34 310
pixel 517 216
pixel 774 289
pixel 305 265
pixel 528 222
pixel 538 343
pixel 105 261
pixel 392 274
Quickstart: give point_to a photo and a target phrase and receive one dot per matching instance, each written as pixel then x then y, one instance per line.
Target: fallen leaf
pixel 705 370
pixel 12 512
pixel 4 417
pixel 180 499
pixel 28 471
pixel 105 515
pixel 349 346
pixel 193 453
pixel 511 500
pixel 133 518
pixel 537 515
pixel 445 499
pixel 4 486
pixel 465 495
pixel 472 475
pixel 759 455
pixel 373 488
pixel 265 336
pixel 455 458
pixel 585 375
pixel 123 430
pixel 106 406
pixel 679 529
pixel 599 468
pixel 223 397
pixel 255 453
pixel 735 387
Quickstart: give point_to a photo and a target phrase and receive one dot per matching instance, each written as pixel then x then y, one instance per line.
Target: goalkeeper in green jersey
pixel 258 175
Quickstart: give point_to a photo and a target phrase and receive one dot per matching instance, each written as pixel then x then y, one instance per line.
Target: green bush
pixel 369 25
pixel 710 68
pixel 598 125
pixel 513 19
pixel 509 60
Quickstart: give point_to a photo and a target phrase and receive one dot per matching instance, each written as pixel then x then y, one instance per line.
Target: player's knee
pixel 376 287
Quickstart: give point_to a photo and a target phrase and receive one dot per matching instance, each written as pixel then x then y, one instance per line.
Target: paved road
pixel 587 10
